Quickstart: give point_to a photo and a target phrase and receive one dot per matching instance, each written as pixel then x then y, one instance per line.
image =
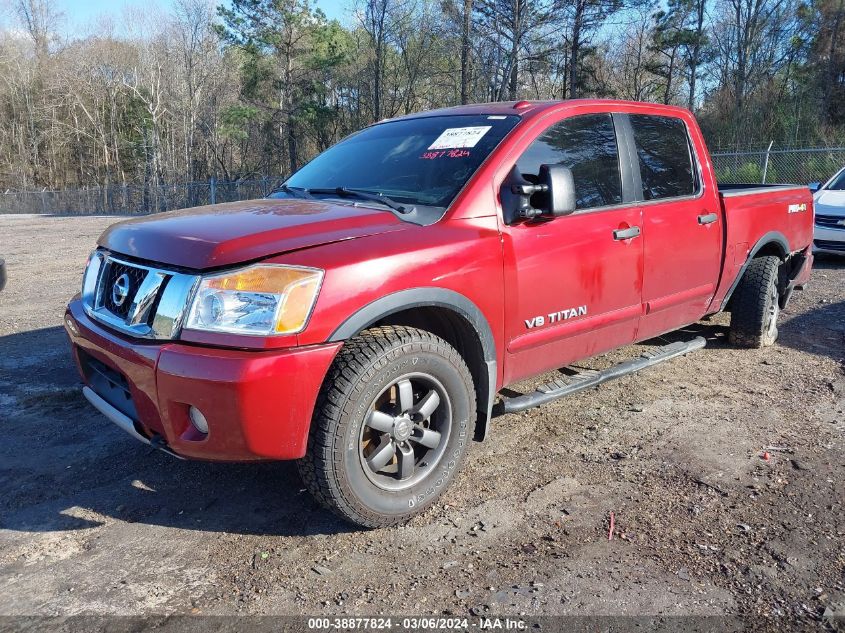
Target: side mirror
pixel 553 195
pixel 560 190
pixel 814 186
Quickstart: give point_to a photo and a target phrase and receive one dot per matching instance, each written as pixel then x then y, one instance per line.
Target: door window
pixel 665 158
pixel 587 145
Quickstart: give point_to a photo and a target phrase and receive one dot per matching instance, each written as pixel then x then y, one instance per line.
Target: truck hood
pixel 830 202
pixel 237 232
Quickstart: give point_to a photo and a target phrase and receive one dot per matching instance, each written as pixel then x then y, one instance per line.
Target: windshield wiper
pixel 299 192
pixel 346 192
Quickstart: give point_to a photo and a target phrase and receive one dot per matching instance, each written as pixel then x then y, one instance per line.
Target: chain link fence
pixel 794 166
pixel 798 166
pixel 134 199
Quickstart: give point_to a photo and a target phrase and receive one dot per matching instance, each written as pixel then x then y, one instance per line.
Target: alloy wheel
pixel 772 316
pixel 405 431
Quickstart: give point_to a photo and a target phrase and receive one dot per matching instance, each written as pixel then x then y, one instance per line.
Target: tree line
pixel 258 87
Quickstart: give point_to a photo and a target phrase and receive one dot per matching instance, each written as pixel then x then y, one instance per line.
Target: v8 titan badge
pixel 556 317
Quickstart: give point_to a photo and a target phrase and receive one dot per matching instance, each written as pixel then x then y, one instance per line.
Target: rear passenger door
pixel 682 225
pixel 572 284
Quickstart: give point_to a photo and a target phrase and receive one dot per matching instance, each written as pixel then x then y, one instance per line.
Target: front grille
pixel 115 271
pixel 136 299
pixel 830 221
pixel 830 245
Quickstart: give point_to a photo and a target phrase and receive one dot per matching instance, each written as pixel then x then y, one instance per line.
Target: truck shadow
pixel 809 324
pixel 63 466
pixel 818 329
pixel 820 332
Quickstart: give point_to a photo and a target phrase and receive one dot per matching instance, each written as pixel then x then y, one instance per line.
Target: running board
pixel 566 386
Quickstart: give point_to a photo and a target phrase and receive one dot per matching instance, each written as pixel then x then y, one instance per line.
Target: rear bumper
pixel 258 404
pixel 802 275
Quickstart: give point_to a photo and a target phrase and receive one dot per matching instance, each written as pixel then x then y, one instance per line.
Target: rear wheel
pixel 755 306
pixel 391 426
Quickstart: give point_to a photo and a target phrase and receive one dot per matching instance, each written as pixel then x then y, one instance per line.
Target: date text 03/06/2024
pixel 417 623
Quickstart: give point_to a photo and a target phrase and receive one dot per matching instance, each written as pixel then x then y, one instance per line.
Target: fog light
pixel 198 420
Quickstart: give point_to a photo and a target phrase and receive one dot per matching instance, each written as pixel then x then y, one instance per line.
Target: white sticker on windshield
pixel 460 137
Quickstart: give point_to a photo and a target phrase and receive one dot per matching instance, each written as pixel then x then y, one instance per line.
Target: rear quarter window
pixel 665 157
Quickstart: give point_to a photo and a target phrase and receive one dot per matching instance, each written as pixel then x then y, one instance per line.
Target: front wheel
pixel 756 305
pixel 391 427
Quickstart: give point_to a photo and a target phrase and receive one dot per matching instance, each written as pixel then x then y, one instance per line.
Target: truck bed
pixel 778 216
pixel 741 189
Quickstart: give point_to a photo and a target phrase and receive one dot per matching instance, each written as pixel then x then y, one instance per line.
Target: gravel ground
pixel 92 522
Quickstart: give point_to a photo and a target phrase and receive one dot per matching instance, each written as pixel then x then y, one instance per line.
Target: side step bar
pixel 567 386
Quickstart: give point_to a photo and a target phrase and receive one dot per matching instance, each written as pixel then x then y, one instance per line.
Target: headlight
pixel 90 278
pixel 259 300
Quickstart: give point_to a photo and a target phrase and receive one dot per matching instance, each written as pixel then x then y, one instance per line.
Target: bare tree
pixel 263 85
pixel 586 16
pixel 466 47
pixel 41 19
pixel 626 68
pixel 521 30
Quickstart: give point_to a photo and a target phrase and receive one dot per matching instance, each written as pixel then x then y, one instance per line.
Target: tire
pixel 382 448
pixel 755 305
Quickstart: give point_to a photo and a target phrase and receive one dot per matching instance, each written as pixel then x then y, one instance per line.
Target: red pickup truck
pixel 363 318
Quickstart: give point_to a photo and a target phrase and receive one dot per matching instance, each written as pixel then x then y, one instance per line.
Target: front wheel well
pixel 460 334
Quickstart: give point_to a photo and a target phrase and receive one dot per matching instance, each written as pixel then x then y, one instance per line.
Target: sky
pixel 81 13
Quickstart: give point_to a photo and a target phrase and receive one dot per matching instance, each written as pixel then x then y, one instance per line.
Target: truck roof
pixel 530 108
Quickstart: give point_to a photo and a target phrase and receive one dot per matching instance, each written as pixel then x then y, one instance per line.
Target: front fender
pixel 434 297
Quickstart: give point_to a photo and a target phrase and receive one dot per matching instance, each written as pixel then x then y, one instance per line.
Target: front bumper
pixel 258 403
pixel 827 240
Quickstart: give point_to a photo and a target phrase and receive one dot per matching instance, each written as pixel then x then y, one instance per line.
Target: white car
pixel 829 201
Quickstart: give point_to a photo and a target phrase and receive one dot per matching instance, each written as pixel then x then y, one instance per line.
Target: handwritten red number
pixel 452 153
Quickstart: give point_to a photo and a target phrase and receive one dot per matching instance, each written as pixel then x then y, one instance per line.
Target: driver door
pixel 573 284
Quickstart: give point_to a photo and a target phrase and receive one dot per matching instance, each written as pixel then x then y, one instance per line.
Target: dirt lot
pixel 93 522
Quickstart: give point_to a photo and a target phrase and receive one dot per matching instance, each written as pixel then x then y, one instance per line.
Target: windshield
pixel 418 165
pixel 838 183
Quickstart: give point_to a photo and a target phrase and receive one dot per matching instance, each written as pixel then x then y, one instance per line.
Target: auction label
pixel 456 137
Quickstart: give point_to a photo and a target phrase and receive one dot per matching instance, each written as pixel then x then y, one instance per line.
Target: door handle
pixel 707 218
pixel 626 234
